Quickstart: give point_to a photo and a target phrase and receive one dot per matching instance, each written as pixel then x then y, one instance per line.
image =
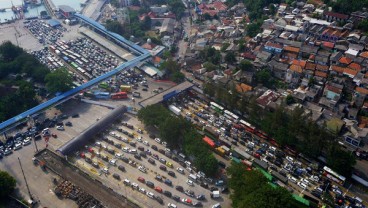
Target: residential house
pixel 273 48
pixel 336 70
pixel 267 98
pixel 290 52
pixel 333 16
pixel 307 50
pixel 294 74
pixel 359 96
pixel 243 88
pixel 322 57
pixel 333 34
pixel 334 58
pixel 309 70
pixel 331 95
pixel 279 69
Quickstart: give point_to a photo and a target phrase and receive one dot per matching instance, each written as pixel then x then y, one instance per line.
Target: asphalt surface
pixel 132 173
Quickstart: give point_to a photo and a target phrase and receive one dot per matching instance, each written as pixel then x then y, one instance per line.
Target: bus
pixel 231 115
pixel 74 65
pixel 329 173
pixel 247 126
pixel 102 95
pixel 218 108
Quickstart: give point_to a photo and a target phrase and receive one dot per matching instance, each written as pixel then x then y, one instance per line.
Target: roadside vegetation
pixel 250 189
pixel 7 185
pixel 22 81
pixel 288 128
pixel 180 134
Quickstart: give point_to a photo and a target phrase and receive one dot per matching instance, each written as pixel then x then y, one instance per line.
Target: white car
pixel 150 195
pixel 305 181
pixel 118 155
pixel 113 162
pixel 142 190
pixel 190 183
pixel 105 170
pixel 60 128
pixel 158 140
pixel 164 144
pixel 167 149
pixel 314 178
pixel 302 185
pixel 146 143
pixel 17 146
pixel 26 141
pixel 133 151
pixel 290 159
pixel 125 149
pixel 135 186
pixel 170 205
pixel 139 139
pixel 142 169
pixel 292 179
pixel 126 182
pixel 180 170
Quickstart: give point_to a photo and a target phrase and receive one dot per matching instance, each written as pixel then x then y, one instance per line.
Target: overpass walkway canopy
pixel 85 137
pixel 143 55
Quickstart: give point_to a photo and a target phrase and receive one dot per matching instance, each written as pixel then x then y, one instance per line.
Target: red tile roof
pixel 296 68
pixel 345 60
pixel 328 44
pixel 274 45
pixel 321 67
pixel 321 74
pixel 301 63
pixel 364 54
pixel 350 72
pixel 361 90
pixel 337 15
pixel 310 66
pixel 333 89
pixel 355 66
pixel 337 69
pixel 291 49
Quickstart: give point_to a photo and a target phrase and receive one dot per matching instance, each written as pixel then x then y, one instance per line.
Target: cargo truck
pixel 175 110
pixel 125 88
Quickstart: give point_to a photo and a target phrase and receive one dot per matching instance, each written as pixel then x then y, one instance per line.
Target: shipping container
pixel 209 141
pixel 125 88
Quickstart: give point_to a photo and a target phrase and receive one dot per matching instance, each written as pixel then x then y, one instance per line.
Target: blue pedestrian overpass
pixel 141 53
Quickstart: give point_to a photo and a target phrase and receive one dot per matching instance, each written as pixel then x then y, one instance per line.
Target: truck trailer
pixel 175 110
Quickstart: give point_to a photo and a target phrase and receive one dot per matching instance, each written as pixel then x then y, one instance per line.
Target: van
pixel 192 177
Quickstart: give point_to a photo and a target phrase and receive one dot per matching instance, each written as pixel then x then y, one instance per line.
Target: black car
pixel 204 185
pixel 159 199
pixel 201 197
pixel 125 159
pixel 179 188
pixel 152 136
pixel 150 184
pixel 152 161
pixel 176 198
pixel 171 173
pixel 167 193
pixel 154 147
pixel 138 157
pixel 144 89
pixel 143 154
pixel 68 123
pixel 122 168
pixel 75 115
pixel 198 204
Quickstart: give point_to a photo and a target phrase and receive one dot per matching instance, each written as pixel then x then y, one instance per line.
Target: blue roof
pixel 53 22
pixel 144 54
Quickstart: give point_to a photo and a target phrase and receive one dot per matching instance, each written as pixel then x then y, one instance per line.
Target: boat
pixel 2 10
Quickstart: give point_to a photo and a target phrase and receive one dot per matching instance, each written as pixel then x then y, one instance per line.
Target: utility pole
pixel 29 192
pixel 31 124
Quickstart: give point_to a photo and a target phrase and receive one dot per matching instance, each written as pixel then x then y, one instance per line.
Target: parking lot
pixel 122 146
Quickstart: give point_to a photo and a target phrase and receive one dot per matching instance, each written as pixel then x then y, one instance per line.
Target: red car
pixel 141 179
pixel 158 189
pixel 54 135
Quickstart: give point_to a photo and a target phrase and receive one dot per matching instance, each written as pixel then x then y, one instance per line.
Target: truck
pixel 125 88
pixel 119 95
pixel 215 194
pixel 239 153
pixel 220 151
pixel 175 110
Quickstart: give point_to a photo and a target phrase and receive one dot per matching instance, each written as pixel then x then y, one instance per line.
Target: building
pixel 66 11
pixel 267 98
pixel 125 3
pixel 333 16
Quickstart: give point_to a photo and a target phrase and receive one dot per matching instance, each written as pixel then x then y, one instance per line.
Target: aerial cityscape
pixel 181 103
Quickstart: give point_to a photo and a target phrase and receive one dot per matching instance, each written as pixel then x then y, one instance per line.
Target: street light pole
pixel 29 192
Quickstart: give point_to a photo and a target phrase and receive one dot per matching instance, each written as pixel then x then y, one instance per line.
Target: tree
pixel 340 160
pixel 224 46
pixel 59 81
pixel 153 115
pixel 209 66
pixel 363 25
pixel 289 99
pixel 246 65
pixel 116 27
pixel 207 16
pixel 264 77
pixel 253 29
pixel 250 189
pixel 230 57
pixel 146 23
pixel 9 51
pixel 7 184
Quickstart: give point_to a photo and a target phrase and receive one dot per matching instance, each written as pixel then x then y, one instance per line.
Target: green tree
pixel 224 46
pixel 246 65
pixel 9 51
pixel 116 27
pixel 253 29
pixel 153 115
pixel 264 76
pixel 209 89
pixel 363 25
pixel 146 23
pixel 340 160
pixel 59 81
pixel 230 57
pixel 209 66
pixel 289 99
pixel 7 184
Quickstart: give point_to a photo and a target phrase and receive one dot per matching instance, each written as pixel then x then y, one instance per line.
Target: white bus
pixel 231 115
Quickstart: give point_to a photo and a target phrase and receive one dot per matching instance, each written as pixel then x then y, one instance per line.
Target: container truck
pixel 125 88
pixel 175 110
